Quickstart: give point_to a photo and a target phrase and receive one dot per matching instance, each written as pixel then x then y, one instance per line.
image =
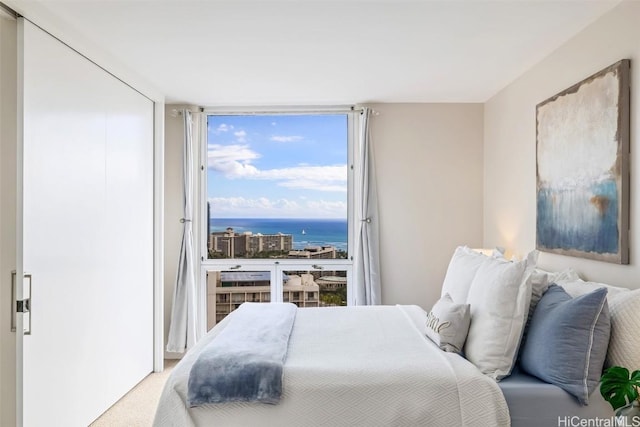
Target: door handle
pixel 21 306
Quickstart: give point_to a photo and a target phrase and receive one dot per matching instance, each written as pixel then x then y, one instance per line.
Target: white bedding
pixel 355 366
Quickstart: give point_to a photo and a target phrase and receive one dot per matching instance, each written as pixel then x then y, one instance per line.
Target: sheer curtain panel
pixel 183 330
pixel 367 266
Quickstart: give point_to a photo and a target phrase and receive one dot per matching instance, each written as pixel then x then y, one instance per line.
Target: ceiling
pixel 312 52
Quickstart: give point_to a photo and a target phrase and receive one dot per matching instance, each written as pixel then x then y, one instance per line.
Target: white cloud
pixel 240 135
pixel 304 172
pixel 233 152
pixel 286 138
pixel 234 170
pixel 235 162
pixel 314 185
pixel 318 178
pixel 263 207
pixel 233 203
pixel 330 208
pixel 224 128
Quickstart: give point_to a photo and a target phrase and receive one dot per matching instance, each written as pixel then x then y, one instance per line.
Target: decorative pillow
pixel 499 297
pixel 580 287
pixel 462 268
pixel 624 343
pixel 540 281
pixel 448 324
pixel 567 341
pixel 566 275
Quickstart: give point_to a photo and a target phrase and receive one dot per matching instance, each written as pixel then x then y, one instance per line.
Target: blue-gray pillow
pixel 567 341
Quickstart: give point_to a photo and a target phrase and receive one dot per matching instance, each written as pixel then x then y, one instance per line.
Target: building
pixel 269 242
pixel 226 290
pixel 317 252
pixel 230 244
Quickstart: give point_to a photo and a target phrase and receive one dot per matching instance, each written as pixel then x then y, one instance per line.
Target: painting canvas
pixel 583 168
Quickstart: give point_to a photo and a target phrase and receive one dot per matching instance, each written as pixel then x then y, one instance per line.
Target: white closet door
pixel 87 234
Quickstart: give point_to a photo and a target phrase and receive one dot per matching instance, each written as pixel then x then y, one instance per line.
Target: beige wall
pixel 7 216
pixel 510 141
pixel 429 169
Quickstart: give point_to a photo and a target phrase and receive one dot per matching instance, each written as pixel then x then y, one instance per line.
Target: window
pixel 278 209
pixel 277 186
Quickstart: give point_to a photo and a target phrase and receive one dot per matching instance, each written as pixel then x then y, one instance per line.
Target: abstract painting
pixel 582 144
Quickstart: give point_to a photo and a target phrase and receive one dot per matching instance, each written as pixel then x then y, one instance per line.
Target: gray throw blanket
pixel 244 362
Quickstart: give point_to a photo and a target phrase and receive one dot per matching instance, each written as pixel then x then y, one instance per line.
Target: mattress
pixel 353 366
pixel 534 403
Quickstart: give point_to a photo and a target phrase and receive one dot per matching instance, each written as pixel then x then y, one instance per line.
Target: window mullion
pixel 276 282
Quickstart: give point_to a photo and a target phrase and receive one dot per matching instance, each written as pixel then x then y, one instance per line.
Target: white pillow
pixel 448 323
pixel 566 274
pixel 460 273
pixel 624 343
pixel 499 297
pixel 578 287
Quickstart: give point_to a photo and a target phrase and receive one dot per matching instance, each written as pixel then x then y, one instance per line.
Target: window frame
pixel 276 267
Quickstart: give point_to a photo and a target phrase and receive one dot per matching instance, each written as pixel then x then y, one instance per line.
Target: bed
pixel 352 366
pixel 534 403
pixel 531 357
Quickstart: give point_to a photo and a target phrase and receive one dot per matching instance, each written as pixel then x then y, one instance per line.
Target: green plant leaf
pixel 618 387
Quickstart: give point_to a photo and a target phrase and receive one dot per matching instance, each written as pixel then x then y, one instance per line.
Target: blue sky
pixel 286 166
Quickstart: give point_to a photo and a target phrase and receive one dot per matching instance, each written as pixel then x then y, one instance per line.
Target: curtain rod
pixel 245 111
pixel 258 111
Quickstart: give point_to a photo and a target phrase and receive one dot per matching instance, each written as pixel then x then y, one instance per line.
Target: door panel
pixel 87 234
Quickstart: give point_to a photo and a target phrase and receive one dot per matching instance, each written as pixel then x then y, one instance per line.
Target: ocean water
pixel 305 232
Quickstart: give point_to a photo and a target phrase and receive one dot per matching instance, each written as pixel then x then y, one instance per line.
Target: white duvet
pixel 355 366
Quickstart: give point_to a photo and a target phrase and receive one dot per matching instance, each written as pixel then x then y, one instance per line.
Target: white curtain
pixel 183 330
pixel 367 266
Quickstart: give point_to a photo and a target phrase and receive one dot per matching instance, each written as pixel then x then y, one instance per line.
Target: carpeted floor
pixel 137 408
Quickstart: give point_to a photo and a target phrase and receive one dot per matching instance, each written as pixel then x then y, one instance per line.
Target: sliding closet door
pixel 86 236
